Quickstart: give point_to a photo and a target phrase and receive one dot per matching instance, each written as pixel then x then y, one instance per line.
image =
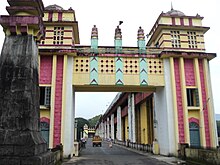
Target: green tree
pixel 93 121
pixel 80 124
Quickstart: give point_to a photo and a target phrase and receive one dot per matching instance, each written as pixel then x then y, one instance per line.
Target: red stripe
pixel 60 15
pixel 46 69
pixel 179 102
pixel 204 100
pixel 58 102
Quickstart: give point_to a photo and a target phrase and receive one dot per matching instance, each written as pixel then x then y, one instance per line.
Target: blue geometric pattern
pixel 143 71
pixel 119 71
pixel 94 70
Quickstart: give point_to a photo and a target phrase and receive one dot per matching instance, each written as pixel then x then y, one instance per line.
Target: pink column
pixel 46 69
pixel 189 72
pixel 58 101
pixel 179 101
pixel 204 101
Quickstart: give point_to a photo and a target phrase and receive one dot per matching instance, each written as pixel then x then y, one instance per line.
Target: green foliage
pixel 81 122
pixel 93 121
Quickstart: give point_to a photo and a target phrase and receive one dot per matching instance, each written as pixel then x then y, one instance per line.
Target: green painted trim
pixel 118 46
pixel 94 45
pixel 143 71
pixel 94 70
pixel 142 46
pixel 119 71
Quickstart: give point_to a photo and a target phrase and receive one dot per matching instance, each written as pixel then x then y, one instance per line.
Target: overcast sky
pixel 106 15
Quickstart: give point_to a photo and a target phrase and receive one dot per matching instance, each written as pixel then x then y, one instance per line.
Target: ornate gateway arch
pixel 173 65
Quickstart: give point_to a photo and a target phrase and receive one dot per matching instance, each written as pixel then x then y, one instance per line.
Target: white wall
pixel 69 116
pixel 164 114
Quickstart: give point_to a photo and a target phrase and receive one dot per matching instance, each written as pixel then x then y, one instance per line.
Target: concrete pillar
pixel 108 128
pixel 105 129
pixel 102 131
pixel 164 112
pixel 119 123
pixel 68 110
pixel 20 139
pixel 131 118
pixel 112 127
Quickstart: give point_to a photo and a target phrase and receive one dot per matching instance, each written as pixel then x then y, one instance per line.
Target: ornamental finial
pixel 140 35
pixel 118 33
pixel 94 33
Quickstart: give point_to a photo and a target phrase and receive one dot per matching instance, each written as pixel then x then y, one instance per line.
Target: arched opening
pixel 44 126
pixel 194 134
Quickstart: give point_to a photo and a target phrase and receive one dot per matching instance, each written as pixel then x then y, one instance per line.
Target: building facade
pixel 165 83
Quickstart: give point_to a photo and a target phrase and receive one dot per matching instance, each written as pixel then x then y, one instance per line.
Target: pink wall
pixel 45 119
pixel 46 69
pixel 204 100
pixel 192 119
pixel 179 102
pixel 189 72
pixel 58 102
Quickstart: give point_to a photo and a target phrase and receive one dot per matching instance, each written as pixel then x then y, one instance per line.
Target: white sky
pixel 106 15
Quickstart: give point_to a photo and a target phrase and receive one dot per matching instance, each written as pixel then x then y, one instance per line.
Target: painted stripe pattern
pixel 205 102
pixel 58 102
pixel 93 70
pixel 143 71
pixel 119 71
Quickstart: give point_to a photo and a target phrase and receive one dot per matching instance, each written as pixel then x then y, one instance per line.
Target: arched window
pixel 194 134
pixel 44 126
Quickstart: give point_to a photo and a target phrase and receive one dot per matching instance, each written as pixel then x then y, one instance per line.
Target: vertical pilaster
pixel 105 129
pixel 184 100
pixel 68 108
pixel 53 91
pixel 108 127
pixel 210 104
pixel 143 71
pixel 173 82
pixel 131 118
pixel 119 130
pixel 112 127
pixel 94 70
pixel 119 71
pixel 198 84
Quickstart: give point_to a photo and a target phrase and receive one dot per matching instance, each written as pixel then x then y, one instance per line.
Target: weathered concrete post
pixel 20 138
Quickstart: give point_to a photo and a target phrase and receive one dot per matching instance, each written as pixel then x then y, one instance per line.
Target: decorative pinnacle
pixel 140 35
pixel 171 5
pixel 94 33
pixel 118 33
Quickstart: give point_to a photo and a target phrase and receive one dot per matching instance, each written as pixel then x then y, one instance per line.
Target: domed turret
pixel 173 12
pixel 53 7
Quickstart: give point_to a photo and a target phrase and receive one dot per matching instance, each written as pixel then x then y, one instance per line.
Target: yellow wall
pixel 126 126
pixel 108 78
pixel 68 17
pixel 197 22
pixel 144 129
pixel 193 113
pixel 165 20
pixel 45 113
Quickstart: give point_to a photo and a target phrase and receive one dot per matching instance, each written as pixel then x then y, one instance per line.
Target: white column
pixel 119 123
pixel 102 134
pixel 68 113
pixel 164 121
pixel 131 118
pixel 105 129
pixel 108 127
pixel 112 126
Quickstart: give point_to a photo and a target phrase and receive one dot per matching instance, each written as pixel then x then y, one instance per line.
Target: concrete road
pixel 111 156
